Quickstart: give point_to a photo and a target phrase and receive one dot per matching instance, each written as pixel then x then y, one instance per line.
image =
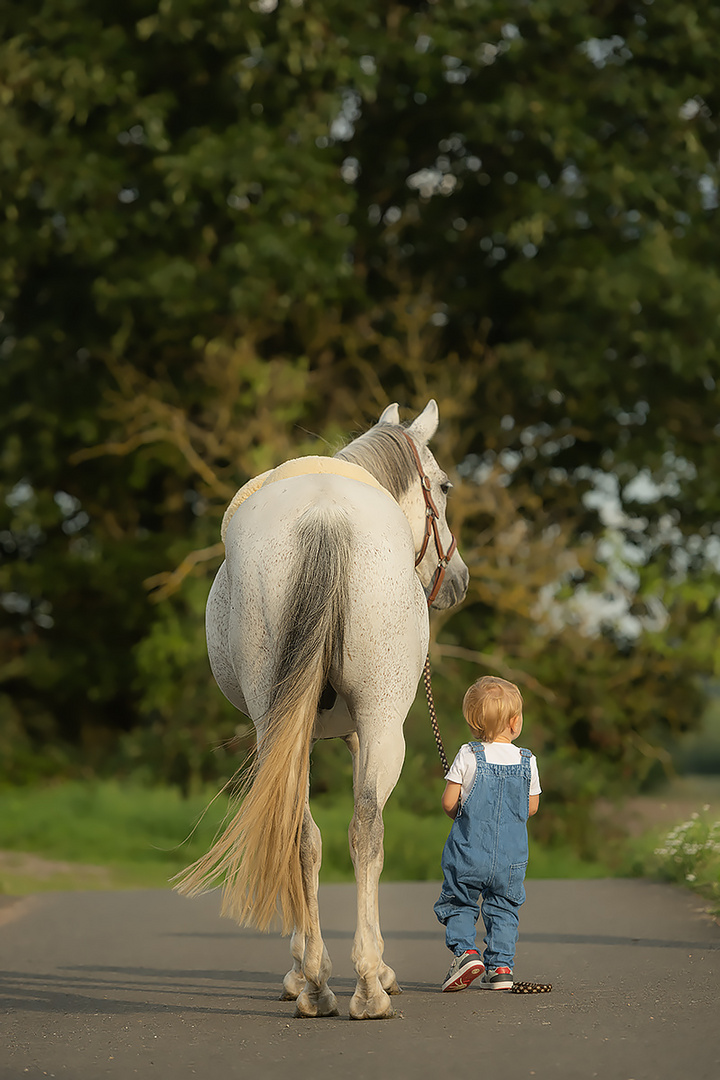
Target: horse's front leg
pixel 315 998
pixel 377 766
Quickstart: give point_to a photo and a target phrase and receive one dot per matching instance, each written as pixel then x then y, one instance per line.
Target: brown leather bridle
pixel 431 529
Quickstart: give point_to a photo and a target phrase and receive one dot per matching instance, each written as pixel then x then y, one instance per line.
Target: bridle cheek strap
pixel 440 571
pixel 431 529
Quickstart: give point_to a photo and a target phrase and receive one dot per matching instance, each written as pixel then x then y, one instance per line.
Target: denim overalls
pixel 486 853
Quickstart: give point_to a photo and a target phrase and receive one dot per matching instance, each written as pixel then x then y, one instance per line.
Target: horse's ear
pixel 425 425
pixel 391 415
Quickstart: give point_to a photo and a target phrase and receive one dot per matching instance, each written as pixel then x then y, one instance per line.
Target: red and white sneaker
pixel 499 978
pixel 463 970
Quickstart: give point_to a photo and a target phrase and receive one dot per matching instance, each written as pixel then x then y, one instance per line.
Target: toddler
pixel 492 788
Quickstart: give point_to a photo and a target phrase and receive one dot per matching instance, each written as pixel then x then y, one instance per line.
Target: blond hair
pixel 489 705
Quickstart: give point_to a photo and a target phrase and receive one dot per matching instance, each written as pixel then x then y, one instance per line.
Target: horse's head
pixel 443 573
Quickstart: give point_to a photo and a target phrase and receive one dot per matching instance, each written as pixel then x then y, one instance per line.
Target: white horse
pixel 317 627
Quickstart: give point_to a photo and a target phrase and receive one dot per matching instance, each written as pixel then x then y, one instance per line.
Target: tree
pixel 237 231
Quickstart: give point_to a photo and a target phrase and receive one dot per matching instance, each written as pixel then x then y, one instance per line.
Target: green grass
pixel 413 847
pixel 140 836
pixel 108 835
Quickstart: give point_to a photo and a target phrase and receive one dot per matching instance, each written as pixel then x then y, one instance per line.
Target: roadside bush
pixel 690 855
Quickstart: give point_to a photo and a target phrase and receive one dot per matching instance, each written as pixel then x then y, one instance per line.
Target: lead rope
pixel 433 715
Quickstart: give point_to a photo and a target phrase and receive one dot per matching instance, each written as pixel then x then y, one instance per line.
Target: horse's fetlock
pixel 317 966
pixel 366 968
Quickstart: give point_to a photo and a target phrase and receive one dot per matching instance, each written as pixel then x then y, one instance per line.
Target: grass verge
pixel 104 835
pixel 100 835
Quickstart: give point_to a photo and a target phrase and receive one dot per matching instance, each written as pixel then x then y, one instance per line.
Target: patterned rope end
pixel 531 988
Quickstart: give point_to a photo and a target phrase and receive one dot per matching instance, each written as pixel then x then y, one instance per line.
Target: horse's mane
pixel 385 453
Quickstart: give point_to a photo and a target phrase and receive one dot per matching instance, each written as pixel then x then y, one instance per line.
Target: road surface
pixel 150 984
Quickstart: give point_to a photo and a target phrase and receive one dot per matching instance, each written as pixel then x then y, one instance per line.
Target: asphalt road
pixel 150 984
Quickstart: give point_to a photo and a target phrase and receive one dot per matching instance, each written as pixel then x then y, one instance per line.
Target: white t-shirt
pixel 463 769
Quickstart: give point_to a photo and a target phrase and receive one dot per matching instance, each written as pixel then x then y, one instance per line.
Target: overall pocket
pixel 516 883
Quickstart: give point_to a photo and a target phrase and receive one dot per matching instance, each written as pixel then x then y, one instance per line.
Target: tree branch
pixel 169 581
pixel 497 662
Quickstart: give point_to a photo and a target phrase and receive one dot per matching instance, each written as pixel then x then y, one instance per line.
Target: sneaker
pixel 463 970
pixel 499 978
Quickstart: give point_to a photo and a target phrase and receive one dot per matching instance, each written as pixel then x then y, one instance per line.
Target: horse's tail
pixel 258 853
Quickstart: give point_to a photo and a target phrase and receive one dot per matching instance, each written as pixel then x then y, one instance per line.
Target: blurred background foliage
pixel 233 232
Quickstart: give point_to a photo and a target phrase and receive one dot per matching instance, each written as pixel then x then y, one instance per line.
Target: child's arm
pixel 534 803
pixel 451 798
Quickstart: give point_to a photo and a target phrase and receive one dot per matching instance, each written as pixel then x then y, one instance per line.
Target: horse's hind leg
pixel 377 767
pixel 315 998
pixel 386 975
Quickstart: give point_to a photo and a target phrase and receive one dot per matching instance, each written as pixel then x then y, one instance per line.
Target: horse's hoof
pixel 393 988
pixel 310 1006
pixel 379 1008
pixel 371 1016
pixel 315 1015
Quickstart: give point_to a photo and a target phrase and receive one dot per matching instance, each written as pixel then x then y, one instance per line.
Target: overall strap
pixel 525 753
pixel 479 751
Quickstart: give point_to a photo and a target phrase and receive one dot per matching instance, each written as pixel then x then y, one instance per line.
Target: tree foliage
pixel 233 232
